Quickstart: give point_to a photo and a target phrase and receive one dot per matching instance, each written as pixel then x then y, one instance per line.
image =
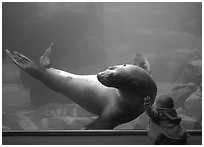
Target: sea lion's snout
pixel 99 76
pixel 105 77
pixel 102 76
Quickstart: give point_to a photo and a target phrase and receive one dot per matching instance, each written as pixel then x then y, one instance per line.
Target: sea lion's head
pixel 124 76
pixel 129 78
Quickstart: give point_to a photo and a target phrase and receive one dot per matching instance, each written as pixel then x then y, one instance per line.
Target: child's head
pixel 164 101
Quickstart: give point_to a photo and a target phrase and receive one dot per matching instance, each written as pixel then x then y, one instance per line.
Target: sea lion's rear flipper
pixel 24 63
pixel 45 59
pixel 20 60
pixel 141 61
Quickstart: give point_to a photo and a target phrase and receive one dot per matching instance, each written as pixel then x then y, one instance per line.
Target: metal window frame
pixel 83 132
pixel 85 137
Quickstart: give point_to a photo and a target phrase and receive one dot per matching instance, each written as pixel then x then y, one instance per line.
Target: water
pixel 89 37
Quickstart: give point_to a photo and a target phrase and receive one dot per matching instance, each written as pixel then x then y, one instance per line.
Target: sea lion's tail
pixel 45 59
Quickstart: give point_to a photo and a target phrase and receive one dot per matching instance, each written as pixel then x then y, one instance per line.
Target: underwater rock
pixel 4 128
pixel 181 93
pixel 65 123
pixel 27 124
pixel 190 85
pixel 27 120
pixel 77 122
pixel 193 72
pixel 56 109
pixel 170 66
pixel 198 125
pixel 50 109
pixel 59 117
pixel 10 120
pixel 188 122
pixel 182 72
pixel 52 123
pixel 75 110
pixel 180 111
pixel 193 106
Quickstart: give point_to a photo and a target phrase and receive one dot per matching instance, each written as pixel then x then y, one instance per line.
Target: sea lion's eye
pixel 124 64
pixel 112 67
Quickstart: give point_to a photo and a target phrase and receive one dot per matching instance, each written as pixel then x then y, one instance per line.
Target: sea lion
pixel 115 95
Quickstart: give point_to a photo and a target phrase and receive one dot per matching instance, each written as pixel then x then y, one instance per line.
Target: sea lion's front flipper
pixel 141 61
pixel 45 59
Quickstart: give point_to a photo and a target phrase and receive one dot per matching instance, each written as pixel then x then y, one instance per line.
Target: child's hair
pixel 165 101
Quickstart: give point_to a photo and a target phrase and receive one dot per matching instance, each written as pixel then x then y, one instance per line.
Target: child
pixel 164 122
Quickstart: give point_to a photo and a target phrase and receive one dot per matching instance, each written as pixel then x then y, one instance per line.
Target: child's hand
pixel 147 99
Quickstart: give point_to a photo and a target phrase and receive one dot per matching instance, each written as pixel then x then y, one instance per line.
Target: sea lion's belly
pixel 95 97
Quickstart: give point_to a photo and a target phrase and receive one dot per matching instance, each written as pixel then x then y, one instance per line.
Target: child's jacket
pixel 164 121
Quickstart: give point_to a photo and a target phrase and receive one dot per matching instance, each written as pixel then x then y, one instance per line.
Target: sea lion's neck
pixel 127 93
